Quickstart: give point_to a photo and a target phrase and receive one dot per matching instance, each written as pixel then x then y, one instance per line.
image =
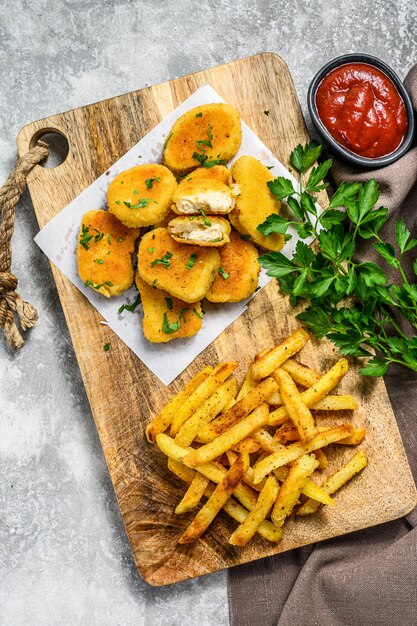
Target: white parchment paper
pixel 58 240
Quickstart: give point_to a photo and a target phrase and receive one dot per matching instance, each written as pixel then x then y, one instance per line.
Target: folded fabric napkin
pixel 368 577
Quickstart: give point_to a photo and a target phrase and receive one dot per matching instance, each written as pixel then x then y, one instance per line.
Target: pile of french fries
pixel 252 452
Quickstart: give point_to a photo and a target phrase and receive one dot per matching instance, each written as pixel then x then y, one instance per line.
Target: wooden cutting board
pixel 124 395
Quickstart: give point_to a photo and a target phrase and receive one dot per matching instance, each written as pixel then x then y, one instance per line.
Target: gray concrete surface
pixel 64 556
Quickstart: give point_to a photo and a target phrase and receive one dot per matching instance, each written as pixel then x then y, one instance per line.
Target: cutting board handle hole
pixel 57 143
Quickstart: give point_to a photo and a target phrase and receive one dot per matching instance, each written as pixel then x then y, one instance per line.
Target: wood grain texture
pixel 124 395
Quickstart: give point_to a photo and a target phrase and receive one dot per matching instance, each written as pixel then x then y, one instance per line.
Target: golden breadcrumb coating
pixel 163 314
pixel 238 275
pixel 212 131
pixel 141 196
pixel 104 253
pixel 254 202
pixel 185 271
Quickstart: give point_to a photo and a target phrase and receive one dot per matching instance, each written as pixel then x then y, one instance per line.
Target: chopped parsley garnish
pixel 270 167
pixel 169 328
pixel 182 316
pixel 223 273
pixel 266 112
pixel 118 202
pixel 109 239
pixel 245 237
pixel 199 114
pixel 150 181
pixel 169 303
pixel 99 261
pixel 197 313
pixel 204 162
pixel 99 235
pixel 130 307
pixel 89 283
pixel 143 202
pixel 136 192
pixel 85 237
pixel 120 239
pixel 191 261
pixel 206 221
pixel 106 347
pixel 203 142
pixel 151 250
pixel 164 261
pixel 209 133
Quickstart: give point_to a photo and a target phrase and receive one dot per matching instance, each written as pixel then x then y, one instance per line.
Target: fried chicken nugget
pixel 238 273
pixel 203 194
pixel 206 134
pixel 200 230
pixel 166 318
pixel 141 196
pixel 255 201
pixel 104 253
pixel 218 172
pixel 185 271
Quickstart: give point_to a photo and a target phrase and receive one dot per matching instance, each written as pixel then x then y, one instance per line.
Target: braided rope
pixel 11 304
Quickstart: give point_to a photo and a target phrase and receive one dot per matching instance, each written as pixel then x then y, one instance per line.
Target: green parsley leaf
pixel 99 261
pixel 182 312
pixel 143 202
pixel 106 347
pixel 206 221
pixel 303 157
pixel 151 250
pixel 198 314
pixel 191 261
pixel 223 273
pixel 281 187
pixel 245 237
pixel 277 265
pixel 150 181
pixel 374 367
pixel 130 307
pixel 199 114
pixel 274 224
pixel 85 237
pixel 169 328
pixel 165 261
pixel 169 303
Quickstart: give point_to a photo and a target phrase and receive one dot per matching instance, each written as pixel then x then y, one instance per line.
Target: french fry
pixel 299 413
pixel 266 441
pixel 336 403
pixel 265 363
pixel 310 489
pixel 248 384
pixel 230 437
pixel 290 489
pixel 336 481
pixel 248 445
pixel 248 528
pixel 321 458
pixel 266 529
pixel 290 433
pixel 298 449
pixel 315 393
pixel 203 391
pixel 246 405
pixel 212 471
pixel 206 412
pixel 301 374
pixel 193 494
pixel 216 501
pixel 164 418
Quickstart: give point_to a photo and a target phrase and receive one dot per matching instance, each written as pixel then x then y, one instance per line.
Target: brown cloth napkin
pixel 368 577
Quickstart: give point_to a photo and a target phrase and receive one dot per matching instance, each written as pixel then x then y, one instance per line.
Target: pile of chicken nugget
pixel 192 222
pixel 258 453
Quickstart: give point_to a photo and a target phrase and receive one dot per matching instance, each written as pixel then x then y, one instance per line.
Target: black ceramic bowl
pixel 335 146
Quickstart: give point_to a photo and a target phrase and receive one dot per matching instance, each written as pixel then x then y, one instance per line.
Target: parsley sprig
pixel 352 303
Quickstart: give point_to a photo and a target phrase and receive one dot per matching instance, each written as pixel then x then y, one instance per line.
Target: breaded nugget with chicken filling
pixel 254 201
pixel 166 318
pixel 200 230
pixel 207 135
pixel 238 274
pixel 218 172
pixel 185 271
pixel 141 196
pixel 104 253
pixel 203 194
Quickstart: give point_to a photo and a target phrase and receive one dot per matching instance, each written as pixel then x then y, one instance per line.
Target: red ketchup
pixel 362 109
